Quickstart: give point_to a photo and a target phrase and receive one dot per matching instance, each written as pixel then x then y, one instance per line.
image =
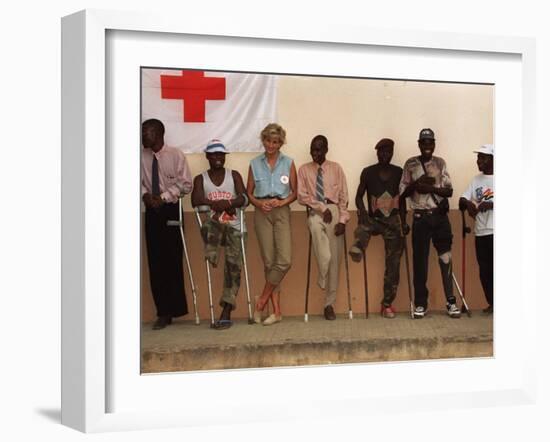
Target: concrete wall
pixel 354 114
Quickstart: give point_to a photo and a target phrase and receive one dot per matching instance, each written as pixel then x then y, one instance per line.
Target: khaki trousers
pixel 275 241
pixel 327 248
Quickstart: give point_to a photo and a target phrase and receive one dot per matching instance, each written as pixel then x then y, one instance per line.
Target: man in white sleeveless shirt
pixel 223 191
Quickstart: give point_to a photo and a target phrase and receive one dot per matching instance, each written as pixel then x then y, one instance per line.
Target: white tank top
pixel 225 191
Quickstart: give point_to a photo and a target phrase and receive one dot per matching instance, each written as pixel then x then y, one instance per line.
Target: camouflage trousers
pixel 390 229
pixel 216 235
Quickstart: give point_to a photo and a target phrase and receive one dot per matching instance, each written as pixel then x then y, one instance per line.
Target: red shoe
pixel 387 312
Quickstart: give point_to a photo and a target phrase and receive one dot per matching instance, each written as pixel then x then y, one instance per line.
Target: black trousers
pixel 436 228
pixel 165 256
pixel 484 254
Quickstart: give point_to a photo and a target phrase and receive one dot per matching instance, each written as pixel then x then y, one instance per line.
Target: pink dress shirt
pixel 334 184
pixel 174 174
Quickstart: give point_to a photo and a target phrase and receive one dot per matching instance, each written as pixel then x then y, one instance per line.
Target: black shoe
pixel 162 322
pixel 329 313
pixel 488 310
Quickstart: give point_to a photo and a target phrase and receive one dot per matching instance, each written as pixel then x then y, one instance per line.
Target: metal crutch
pixel 250 318
pixel 198 211
pixel 306 316
pixel 366 284
pixel 179 223
pixel 465 231
pixel 350 312
pixel 308 277
pixel 468 312
pixel 406 250
pixel 407 265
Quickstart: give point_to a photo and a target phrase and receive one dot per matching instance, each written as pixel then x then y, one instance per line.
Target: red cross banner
pixel 197 106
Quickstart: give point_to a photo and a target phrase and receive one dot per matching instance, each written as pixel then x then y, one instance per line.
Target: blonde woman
pixel 271 187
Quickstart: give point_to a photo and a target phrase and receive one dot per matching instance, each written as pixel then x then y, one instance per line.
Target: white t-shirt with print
pixel 480 190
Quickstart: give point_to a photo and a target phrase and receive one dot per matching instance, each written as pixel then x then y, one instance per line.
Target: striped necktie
pixel 155 177
pixel 319 188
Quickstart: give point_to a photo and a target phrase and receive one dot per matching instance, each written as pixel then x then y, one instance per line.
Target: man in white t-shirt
pixel 478 200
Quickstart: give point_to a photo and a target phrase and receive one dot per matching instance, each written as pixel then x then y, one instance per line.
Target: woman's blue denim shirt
pixel 271 183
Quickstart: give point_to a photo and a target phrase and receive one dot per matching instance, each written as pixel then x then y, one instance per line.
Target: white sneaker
pixel 453 311
pixel 272 319
pixel 420 312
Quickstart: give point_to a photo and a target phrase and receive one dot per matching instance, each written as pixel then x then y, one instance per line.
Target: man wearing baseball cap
pixel 428 186
pixel 223 191
pixel 478 200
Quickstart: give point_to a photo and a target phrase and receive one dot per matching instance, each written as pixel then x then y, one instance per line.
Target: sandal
pixel 258 313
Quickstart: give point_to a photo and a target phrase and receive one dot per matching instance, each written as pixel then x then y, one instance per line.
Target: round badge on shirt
pixel 284 179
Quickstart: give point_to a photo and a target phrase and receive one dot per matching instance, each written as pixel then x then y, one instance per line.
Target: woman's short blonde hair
pixel 274 130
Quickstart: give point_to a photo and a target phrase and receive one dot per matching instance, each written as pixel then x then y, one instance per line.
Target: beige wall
pixel 293 286
pixel 354 115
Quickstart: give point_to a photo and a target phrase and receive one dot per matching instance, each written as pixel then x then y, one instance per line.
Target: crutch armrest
pixel 202 209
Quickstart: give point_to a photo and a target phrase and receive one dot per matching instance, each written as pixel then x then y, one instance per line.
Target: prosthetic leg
pixel 446 268
pixel 179 223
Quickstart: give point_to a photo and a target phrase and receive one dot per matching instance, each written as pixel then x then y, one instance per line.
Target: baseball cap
pixel 215 145
pixel 488 149
pixel 426 134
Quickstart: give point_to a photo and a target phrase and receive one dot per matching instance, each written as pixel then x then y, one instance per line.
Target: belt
pixel 310 211
pixel 269 198
pixel 421 212
pixel 326 201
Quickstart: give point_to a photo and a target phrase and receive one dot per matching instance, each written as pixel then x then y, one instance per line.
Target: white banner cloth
pixel 197 106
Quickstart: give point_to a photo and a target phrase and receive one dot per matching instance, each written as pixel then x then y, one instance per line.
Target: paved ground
pixel 186 346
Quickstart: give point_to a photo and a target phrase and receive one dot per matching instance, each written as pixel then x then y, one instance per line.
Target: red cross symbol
pixel 194 89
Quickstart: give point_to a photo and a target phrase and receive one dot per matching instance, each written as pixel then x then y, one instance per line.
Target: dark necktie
pixel 155 177
pixel 319 188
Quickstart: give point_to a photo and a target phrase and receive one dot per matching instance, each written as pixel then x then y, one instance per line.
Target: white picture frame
pixel 87 213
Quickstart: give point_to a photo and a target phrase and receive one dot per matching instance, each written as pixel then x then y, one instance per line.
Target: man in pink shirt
pixel 322 188
pixel 165 176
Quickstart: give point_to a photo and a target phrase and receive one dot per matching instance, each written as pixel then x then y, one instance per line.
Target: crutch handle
pixel 465 228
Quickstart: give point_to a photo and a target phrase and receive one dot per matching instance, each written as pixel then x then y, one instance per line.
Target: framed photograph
pixel 351 115
pixel 103 385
